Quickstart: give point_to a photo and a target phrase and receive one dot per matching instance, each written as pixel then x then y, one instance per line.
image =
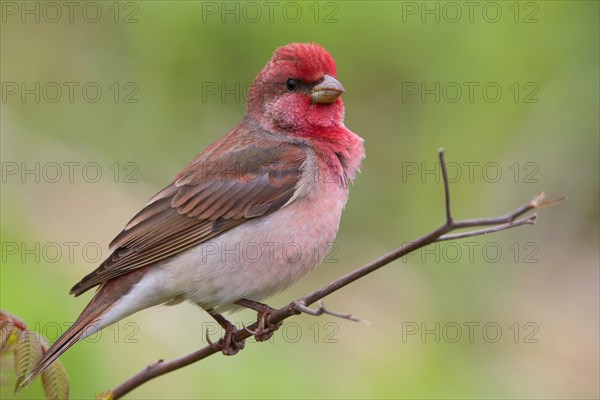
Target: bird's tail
pixel 85 325
pixel 89 322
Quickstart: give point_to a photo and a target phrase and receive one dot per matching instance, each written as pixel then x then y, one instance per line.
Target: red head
pixel 297 92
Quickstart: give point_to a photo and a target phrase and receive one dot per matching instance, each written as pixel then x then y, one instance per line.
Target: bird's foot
pixel 227 344
pixel 265 329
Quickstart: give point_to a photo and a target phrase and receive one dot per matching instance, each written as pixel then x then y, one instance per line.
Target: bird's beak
pixel 327 91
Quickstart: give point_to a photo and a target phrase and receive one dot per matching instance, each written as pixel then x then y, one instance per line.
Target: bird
pixel 248 217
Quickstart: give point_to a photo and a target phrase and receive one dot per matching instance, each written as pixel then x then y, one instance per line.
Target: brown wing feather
pixel 200 205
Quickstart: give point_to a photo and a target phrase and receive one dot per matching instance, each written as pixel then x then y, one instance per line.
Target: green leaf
pixel 28 351
pixel 56 381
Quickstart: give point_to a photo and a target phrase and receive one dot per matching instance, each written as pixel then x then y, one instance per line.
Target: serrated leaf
pixel 108 395
pixel 56 382
pixel 6 330
pixel 18 322
pixel 28 351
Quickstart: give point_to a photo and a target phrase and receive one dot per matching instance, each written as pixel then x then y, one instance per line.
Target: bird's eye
pixel 291 84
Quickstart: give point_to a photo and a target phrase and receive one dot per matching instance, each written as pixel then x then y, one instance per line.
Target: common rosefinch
pixel 247 218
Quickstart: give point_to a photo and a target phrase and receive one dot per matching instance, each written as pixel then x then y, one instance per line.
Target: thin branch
pixel 446 186
pixel 500 223
pixel 322 310
pixel 530 220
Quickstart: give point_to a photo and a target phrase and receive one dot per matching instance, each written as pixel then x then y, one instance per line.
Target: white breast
pixel 263 256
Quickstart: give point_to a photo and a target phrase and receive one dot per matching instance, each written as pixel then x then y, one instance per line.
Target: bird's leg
pixel 265 329
pixel 227 344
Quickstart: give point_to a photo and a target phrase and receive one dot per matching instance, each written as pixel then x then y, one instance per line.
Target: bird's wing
pixel 207 199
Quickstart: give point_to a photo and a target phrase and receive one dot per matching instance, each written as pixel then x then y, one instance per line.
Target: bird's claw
pixel 265 330
pixel 227 344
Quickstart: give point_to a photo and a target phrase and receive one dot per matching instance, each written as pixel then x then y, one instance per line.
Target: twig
pixel 322 310
pixel 530 220
pixel 301 305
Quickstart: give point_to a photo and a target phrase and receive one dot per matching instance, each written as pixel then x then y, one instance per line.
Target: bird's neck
pixel 341 149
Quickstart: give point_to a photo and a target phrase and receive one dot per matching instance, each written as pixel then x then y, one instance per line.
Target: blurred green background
pixel 171 76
